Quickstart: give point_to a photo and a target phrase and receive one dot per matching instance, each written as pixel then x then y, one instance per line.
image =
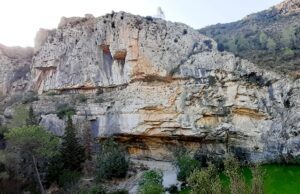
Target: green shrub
pixel 52 93
pixel 19 117
pixel 29 97
pixel 119 192
pixel 233 171
pixel 205 181
pixel 99 91
pixel 3 129
pixel 81 98
pixel 151 176
pixel 14 99
pixel 151 189
pixel 64 109
pixel 93 190
pixel 54 168
pixel 151 182
pixel 288 53
pixel 68 178
pixel 112 161
pixel 172 189
pixel 257 180
pixel 99 100
pixel 186 165
pixel 212 80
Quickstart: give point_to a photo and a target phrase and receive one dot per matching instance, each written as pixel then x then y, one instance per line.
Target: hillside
pixel 154 84
pixel 270 38
pixel 100 102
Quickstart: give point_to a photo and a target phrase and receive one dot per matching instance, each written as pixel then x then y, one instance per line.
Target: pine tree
pixel 87 138
pixel 72 152
pixel 31 120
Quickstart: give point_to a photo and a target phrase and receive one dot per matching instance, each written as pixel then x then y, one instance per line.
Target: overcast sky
pixel 21 19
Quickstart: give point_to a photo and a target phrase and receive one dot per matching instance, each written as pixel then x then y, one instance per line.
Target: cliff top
pixel 288 7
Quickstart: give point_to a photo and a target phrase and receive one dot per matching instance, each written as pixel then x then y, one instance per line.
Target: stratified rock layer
pixel 157 85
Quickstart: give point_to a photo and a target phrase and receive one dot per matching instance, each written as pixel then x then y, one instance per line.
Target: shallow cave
pixel 107 59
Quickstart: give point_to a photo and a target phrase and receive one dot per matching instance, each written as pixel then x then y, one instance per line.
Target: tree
pixel 88 165
pixel 151 182
pixel 186 165
pixel 233 171
pixel 71 151
pixel 271 44
pixel 31 120
pixel 112 161
pixel 263 38
pixel 257 180
pixel 242 43
pixel 19 117
pixel 205 181
pixel 33 143
pixel 87 138
pixel 287 37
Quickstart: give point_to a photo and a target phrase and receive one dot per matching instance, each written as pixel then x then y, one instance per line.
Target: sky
pixel 21 19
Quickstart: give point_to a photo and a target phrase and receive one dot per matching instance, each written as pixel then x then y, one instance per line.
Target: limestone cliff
pixel 15 69
pixel 156 85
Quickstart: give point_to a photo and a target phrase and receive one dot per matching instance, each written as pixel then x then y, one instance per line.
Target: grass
pixel 278 179
pixel 185 191
pixel 282 179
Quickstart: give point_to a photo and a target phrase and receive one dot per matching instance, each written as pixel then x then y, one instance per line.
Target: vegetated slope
pixel 270 38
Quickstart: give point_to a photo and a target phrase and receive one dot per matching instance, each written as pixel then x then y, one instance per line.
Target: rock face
pixel 157 85
pixel 15 69
pixel 288 7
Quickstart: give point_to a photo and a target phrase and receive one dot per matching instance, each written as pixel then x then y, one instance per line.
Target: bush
pixel 233 171
pixel 205 181
pixel 112 161
pixel 64 109
pixel 14 99
pixel 151 176
pixel 119 192
pixel 94 190
pixel 288 53
pixel 99 100
pixel 186 165
pixel 172 189
pixel 99 91
pixel 68 178
pixel 151 182
pixel 220 47
pixel 257 180
pixel 52 93
pixel 81 98
pixel 29 97
pixel 54 169
pixel 19 117
pixel 151 189
pixel 212 80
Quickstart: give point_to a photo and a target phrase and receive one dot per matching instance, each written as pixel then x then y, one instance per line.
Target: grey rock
pixel 161 84
pixel 52 123
pixel 15 69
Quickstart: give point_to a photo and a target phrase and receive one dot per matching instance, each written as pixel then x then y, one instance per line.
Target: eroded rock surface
pixel 14 69
pixel 157 85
